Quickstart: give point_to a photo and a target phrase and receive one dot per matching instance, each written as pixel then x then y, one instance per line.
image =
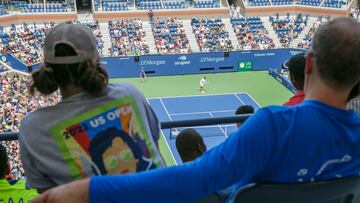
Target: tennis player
pixel 203 82
pixel 142 75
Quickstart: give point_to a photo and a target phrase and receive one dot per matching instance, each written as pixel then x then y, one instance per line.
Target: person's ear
pixel 309 63
pixel 201 148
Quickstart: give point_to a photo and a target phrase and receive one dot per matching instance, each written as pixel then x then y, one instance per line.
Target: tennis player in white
pixel 203 82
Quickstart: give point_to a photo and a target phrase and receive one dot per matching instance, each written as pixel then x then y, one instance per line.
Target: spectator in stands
pixel 97 128
pixel 190 144
pixel 242 110
pixel 269 147
pixel 16 192
pixel 297 77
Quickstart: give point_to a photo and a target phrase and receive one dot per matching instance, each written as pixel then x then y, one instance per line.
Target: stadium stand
pixel 170 36
pixel 259 3
pixel 306 42
pixel 211 35
pixel 128 37
pixel 206 3
pixel 171 4
pixel 310 2
pixel 2 10
pixel 287 29
pixel 39 8
pixel 251 33
pixel 111 5
pixel 148 4
pixel 15 103
pixel 333 3
pixel 282 2
pixel 25 42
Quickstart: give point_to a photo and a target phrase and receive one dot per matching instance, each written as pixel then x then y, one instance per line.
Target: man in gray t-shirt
pixel 83 136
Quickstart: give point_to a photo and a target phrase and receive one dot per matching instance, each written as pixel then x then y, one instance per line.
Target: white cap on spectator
pixel 80 38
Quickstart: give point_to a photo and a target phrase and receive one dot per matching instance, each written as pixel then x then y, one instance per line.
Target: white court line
pixel 196 95
pixel 167 144
pixel 162 133
pixel 200 112
pixel 239 99
pixel 218 125
pixel 165 109
pixel 254 100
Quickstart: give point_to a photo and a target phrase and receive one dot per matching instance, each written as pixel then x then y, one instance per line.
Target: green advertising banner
pixel 245 66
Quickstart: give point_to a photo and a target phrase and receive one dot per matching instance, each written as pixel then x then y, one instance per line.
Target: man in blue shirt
pixel 316 140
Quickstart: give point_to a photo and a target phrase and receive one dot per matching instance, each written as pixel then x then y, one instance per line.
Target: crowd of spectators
pixel 128 38
pixel 170 36
pixel 211 35
pixel 306 42
pixel 289 28
pixel 15 103
pixel 251 34
pixel 25 42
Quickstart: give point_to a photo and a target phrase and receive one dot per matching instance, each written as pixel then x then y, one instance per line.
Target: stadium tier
pixel 128 37
pixel 251 34
pixel 170 36
pixel 211 35
pixel 287 29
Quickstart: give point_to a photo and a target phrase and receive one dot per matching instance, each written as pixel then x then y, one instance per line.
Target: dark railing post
pixel 166 125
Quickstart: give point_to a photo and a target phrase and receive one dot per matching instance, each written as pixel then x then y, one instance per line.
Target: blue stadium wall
pixel 181 64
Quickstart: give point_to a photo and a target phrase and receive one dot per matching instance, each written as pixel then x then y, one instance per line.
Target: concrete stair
pixel 84 18
pixel 270 29
pixel 150 40
pixel 105 37
pixel 191 36
pixel 232 35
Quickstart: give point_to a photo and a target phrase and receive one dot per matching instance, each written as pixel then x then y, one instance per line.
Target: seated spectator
pixel 190 144
pixel 243 110
pixel 297 77
pixel 269 147
pixel 96 129
pixel 16 192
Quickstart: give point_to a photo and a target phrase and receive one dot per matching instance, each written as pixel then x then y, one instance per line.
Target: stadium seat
pixel 346 190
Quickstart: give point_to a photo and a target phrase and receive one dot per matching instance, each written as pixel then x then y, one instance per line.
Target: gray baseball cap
pixel 80 38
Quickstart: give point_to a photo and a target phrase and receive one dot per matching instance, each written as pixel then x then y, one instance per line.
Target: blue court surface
pixel 201 106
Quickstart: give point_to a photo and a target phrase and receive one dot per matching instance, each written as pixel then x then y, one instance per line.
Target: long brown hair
pixel 89 75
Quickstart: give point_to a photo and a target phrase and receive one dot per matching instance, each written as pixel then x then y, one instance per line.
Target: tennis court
pixel 196 107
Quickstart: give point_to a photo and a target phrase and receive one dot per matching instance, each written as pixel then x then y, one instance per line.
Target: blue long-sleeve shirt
pixel 310 142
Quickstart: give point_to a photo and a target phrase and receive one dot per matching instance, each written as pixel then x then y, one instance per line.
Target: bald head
pixel 336 52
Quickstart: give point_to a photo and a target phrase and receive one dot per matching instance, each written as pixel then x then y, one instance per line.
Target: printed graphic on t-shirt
pixel 109 139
